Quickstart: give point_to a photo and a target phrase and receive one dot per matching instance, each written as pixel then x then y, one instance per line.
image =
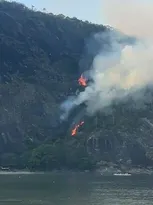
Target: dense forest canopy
pixel 41 58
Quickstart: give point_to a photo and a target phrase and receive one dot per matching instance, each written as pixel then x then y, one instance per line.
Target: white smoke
pixel 67 106
pixel 117 75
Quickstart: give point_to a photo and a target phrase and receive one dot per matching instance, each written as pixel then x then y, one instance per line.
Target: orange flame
pixel 74 131
pixel 82 81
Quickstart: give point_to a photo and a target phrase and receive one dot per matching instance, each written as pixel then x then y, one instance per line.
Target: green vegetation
pixel 39 66
pixel 39 58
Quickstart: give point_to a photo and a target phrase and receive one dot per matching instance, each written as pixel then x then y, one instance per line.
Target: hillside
pixel 41 58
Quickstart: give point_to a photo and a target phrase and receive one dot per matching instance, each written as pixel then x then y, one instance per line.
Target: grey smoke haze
pixel 133 17
pixel 116 74
pixel 119 72
pixel 67 106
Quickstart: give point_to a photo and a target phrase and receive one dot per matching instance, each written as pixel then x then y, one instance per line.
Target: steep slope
pixel 41 58
pixel 39 67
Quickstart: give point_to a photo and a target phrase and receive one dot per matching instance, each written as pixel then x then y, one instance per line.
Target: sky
pixel 90 10
pixel 82 9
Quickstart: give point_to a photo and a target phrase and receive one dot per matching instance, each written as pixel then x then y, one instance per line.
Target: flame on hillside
pixel 74 131
pixel 82 81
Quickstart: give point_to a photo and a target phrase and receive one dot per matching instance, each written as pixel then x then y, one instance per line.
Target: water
pixel 75 189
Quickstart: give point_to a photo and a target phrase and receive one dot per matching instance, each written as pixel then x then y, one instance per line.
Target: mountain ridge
pixel 41 59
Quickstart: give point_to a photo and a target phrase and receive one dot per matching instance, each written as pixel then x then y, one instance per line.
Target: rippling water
pixel 75 189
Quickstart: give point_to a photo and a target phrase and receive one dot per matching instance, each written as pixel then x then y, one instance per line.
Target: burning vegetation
pixel 82 81
pixel 74 131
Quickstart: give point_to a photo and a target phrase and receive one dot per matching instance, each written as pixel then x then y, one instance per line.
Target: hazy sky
pixel 83 9
pixel 90 10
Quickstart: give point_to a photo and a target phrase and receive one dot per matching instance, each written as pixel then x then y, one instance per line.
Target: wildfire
pixel 82 81
pixel 74 131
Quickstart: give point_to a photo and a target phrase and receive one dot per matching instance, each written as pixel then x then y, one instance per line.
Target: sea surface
pixel 74 189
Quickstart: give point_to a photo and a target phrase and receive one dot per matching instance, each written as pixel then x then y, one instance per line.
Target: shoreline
pixel 125 170
pixel 103 171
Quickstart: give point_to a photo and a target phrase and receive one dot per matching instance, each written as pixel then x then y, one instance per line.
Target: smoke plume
pixel 132 17
pixel 119 72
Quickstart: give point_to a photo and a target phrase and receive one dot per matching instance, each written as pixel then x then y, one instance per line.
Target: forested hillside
pixel 41 59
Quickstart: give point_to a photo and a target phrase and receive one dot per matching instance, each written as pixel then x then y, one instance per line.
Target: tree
pixel 43 158
pixel 9 160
